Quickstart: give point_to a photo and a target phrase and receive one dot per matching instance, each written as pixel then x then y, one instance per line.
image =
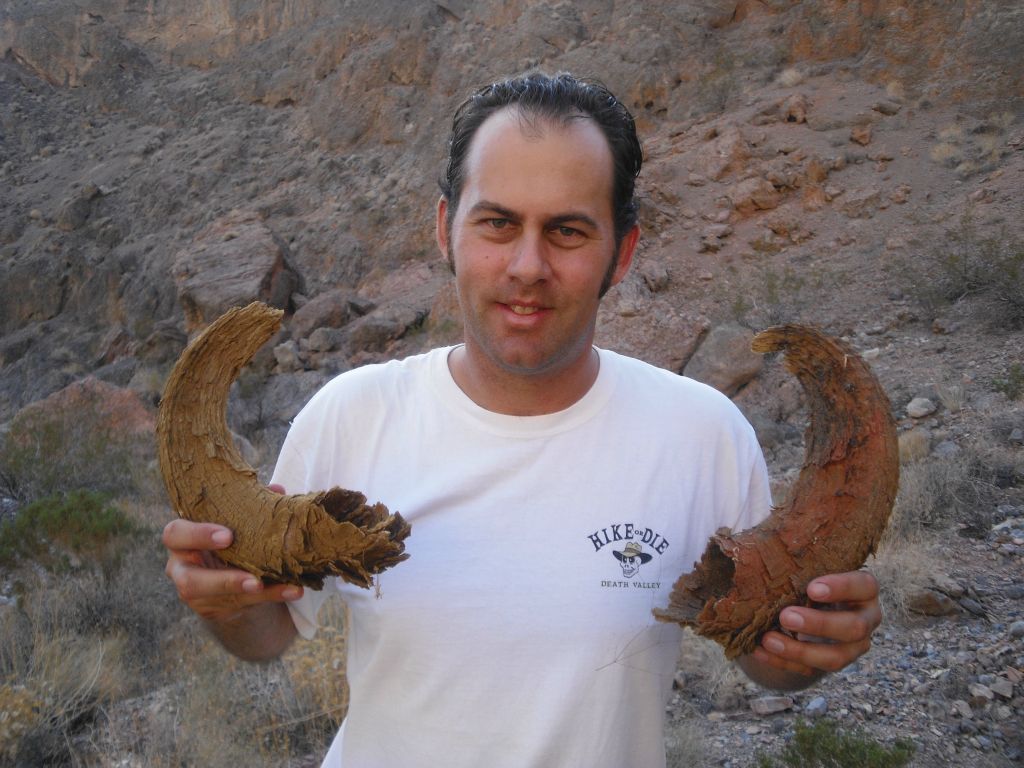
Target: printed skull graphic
pixel 631 558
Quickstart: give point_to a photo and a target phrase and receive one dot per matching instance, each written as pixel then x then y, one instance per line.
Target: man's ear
pixel 441 226
pixel 626 250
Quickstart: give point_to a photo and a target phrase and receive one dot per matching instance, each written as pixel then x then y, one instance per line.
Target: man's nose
pixel 529 261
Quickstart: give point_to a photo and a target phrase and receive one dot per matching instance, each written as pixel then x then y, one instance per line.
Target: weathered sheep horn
pixel 298 539
pixel 835 514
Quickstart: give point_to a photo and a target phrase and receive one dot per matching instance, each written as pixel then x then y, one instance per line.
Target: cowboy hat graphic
pixel 631 558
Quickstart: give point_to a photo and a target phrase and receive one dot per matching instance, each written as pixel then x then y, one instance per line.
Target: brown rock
pixel 861 134
pixel 658 333
pixel 861 204
pixel 814 198
pixel 330 309
pixel 815 170
pixel 752 195
pixel 444 323
pixel 654 274
pixel 91 435
pixel 931 603
pixel 768 705
pixel 233 261
pixel 724 359
pixel 725 153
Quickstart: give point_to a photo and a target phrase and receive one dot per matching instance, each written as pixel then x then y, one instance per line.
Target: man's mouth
pixel 519 309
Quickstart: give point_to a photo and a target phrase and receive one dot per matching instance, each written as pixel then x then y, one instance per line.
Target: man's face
pixel 532 241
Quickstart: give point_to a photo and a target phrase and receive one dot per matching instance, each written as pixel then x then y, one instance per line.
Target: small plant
pixel 825 745
pixel 970 265
pixel 1012 385
pixel 770 298
pixel 81 522
pixel 718 86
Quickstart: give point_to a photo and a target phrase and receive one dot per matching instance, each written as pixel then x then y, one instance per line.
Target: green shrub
pixel 989 268
pixel 1012 385
pixel 48 530
pixel 825 745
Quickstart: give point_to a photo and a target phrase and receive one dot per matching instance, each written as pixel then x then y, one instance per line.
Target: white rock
pixel 920 407
pixel 817 707
pixel 767 705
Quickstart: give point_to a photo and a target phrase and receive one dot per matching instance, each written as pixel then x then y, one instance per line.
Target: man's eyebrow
pixel 489 207
pixel 572 217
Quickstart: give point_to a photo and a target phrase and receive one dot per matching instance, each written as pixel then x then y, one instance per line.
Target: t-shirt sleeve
pixel 757 501
pixel 291 473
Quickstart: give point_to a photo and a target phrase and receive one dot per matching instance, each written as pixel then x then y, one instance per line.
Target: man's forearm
pixel 257 633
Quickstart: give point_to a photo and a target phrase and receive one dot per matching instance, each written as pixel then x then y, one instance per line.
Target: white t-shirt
pixel 519 633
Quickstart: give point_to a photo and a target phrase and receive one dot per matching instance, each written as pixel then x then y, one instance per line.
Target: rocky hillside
pixel 162 163
pixel 858 166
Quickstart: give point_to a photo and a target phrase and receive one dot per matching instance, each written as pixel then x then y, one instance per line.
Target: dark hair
pixel 560 97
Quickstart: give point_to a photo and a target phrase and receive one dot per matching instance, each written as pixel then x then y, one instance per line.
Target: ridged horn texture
pixel 297 539
pixel 835 514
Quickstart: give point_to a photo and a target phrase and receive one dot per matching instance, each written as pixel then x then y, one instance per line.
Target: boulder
pixel 756 194
pixel 861 204
pixel 92 434
pixel 724 359
pixel 331 309
pixel 726 152
pixel 920 407
pixel 652 330
pixel 232 262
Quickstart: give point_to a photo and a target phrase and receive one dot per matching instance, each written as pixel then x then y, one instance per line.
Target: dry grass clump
pixel 939 495
pixel 902 569
pixel 226 712
pixel 707 675
pixel 985 268
pixel 316 668
pixel 914 444
pixel 940 492
pixel 684 744
pixel 62 683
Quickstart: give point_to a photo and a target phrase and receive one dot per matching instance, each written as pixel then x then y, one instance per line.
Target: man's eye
pixel 498 223
pixel 567 232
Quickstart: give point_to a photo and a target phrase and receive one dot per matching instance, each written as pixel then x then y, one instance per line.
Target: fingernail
pixel 221 538
pixel 818 591
pixel 792 620
pixel 774 645
pixel 291 593
pixel 251 585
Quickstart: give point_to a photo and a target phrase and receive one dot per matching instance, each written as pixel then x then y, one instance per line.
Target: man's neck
pixel 515 394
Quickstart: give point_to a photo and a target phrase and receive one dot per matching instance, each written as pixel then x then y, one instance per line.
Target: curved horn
pixel 835 514
pixel 298 539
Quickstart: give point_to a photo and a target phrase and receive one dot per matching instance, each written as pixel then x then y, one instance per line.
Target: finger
pixel 840 626
pixel 183 534
pixel 277 488
pixel 829 657
pixel 198 583
pixel 854 586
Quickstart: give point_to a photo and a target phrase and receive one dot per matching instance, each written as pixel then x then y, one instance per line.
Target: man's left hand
pixel 825 638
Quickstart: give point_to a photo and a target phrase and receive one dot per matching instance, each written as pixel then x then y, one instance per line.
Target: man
pixel 555 491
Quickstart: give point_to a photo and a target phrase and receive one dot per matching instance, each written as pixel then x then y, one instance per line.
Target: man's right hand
pixel 215 591
pixel 249 618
